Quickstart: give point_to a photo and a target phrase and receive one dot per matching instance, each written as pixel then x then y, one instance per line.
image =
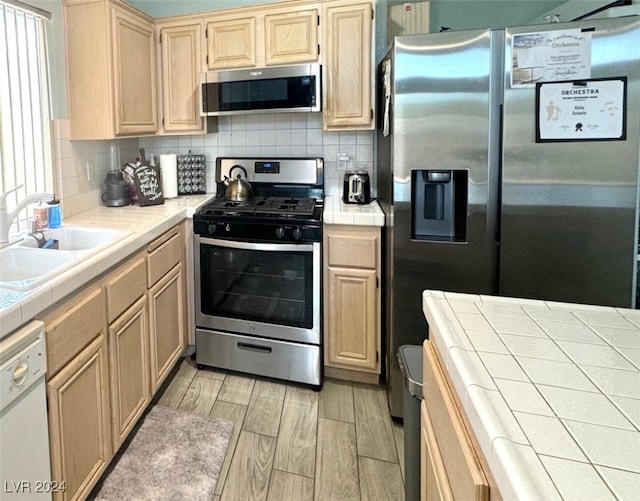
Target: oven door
pixel 261 289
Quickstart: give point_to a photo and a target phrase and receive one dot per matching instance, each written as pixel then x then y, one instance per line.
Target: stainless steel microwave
pixel 261 90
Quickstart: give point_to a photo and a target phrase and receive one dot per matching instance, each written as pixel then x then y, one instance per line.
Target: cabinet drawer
pixel 463 469
pixel 125 287
pixel 353 248
pixel 72 326
pixel 163 255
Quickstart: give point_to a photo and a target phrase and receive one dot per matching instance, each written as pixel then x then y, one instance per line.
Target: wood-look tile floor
pixel 290 443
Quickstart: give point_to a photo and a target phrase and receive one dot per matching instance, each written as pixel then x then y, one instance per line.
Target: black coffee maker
pixel 117 190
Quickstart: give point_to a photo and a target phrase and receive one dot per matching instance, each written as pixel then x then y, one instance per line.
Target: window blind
pixel 25 121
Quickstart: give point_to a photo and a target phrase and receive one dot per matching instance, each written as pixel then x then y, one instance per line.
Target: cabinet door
pixel 167 324
pixel 231 43
pixel 352 323
pixel 129 369
pixel 434 484
pixel 79 421
pixel 347 72
pixel 291 37
pixel 164 253
pixel 180 49
pixel 134 74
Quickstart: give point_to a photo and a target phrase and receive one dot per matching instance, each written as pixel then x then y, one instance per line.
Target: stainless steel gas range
pixel 258 271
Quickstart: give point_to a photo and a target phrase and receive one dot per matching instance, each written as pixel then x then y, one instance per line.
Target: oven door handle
pixel 257 246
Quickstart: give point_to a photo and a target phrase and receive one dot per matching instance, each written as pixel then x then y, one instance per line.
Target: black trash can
pixel 410 359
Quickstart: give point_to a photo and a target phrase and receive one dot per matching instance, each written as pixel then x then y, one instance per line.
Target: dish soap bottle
pixel 55 213
pixel 41 215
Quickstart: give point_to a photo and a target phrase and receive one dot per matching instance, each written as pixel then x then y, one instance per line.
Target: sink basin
pixel 75 238
pixel 23 268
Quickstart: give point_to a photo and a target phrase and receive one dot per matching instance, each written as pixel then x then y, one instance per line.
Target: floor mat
pixel 174 455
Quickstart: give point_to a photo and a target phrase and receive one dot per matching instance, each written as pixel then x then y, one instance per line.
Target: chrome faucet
pixel 6 217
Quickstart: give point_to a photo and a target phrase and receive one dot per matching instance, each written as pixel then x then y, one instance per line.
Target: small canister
pixel 41 216
pixel 55 213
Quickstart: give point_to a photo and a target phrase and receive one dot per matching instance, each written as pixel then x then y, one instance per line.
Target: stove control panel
pixel 263 232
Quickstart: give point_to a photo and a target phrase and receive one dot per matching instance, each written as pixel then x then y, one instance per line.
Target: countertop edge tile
pixel 337 212
pixel 514 460
pixel 144 225
pixel 521 473
pixel 12 314
pixel 38 300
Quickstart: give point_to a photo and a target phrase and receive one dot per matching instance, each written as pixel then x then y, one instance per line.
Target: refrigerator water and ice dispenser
pixel 439 205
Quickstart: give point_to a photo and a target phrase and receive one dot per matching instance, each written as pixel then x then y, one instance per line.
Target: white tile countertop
pixel 142 225
pixel 551 390
pixel 337 212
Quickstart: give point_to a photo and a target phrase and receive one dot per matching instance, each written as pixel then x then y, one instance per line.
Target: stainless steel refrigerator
pixel 507 163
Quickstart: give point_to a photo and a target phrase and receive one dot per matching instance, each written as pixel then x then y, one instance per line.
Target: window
pixel 25 122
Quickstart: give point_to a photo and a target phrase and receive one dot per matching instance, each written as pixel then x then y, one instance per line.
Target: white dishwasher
pixel 25 471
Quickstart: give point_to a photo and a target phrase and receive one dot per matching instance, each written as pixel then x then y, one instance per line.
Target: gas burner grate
pixel 280 206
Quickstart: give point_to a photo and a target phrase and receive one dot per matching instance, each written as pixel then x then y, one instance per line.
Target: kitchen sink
pixel 76 238
pixel 25 265
pixel 23 268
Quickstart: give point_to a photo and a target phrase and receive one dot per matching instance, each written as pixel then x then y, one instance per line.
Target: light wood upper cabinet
pixel 291 37
pixel 134 73
pixel 231 43
pixel 352 298
pixel 179 61
pixel 111 78
pixel 347 59
pixel 262 36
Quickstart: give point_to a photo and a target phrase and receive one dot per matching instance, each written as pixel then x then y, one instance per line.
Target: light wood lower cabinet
pixel 167 296
pixel 352 299
pixel 129 369
pixel 434 484
pixel 452 466
pixel 80 421
pixel 167 315
pixel 109 347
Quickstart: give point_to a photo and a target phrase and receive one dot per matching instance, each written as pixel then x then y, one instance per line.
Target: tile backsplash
pixel 81 166
pixel 273 135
